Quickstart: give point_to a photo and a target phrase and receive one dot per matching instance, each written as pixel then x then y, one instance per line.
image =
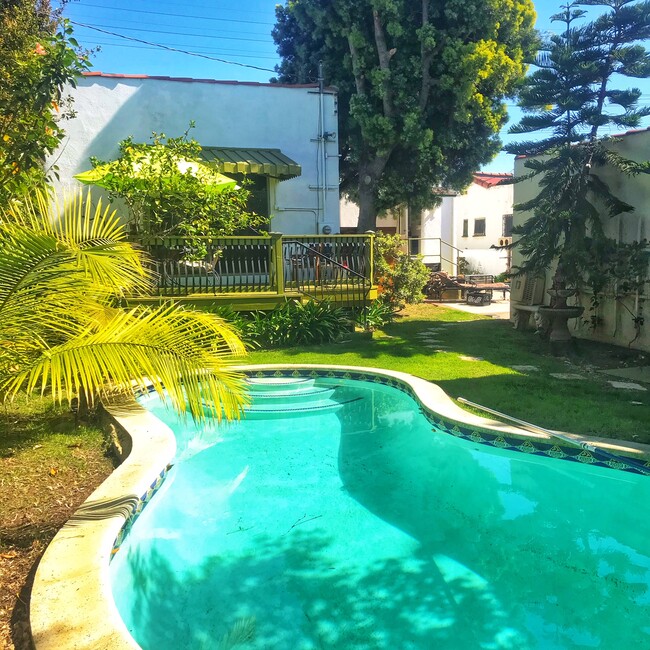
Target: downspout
pixel 322 140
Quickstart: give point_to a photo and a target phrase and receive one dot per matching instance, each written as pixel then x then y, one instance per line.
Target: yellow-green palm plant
pixel 62 273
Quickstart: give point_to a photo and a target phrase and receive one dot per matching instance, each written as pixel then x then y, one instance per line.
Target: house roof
pixel 487 179
pixel 111 75
pixel 268 162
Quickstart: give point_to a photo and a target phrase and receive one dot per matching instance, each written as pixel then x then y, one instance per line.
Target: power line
pixel 162 13
pixel 173 49
pixel 207 50
pixel 160 31
pixel 192 5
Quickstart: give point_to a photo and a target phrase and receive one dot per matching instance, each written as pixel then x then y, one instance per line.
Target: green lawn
pixel 588 407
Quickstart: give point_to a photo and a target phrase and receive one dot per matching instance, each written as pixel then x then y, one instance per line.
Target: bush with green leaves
pixel 400 277
pixel 375 315
pixel 169 197
pixel 293 323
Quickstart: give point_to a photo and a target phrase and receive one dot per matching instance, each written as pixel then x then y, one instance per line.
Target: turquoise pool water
pixel 334 517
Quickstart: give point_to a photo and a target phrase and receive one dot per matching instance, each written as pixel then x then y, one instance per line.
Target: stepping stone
pixel 626 385
pixel 566 375
pixel 637 403
pixel 525 368
pixel 468 358
pixel 435 346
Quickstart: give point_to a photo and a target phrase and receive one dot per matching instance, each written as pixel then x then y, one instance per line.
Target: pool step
pixel 289 397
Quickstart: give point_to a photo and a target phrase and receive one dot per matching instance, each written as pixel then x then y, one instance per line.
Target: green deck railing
pixel 315 265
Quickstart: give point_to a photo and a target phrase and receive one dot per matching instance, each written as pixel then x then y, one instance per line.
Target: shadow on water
pixel 306 602
pixel 494 551
pixel 556 544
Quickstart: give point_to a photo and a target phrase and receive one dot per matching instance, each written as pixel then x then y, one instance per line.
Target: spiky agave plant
pixel 62 271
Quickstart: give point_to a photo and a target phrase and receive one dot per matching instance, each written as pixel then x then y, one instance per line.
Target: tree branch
pixel 356 67
pixel 426 56
pixel 385 56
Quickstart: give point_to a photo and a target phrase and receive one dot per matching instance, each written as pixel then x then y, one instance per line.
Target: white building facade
pixel 623 319
pixel 465 227
pixel 278 127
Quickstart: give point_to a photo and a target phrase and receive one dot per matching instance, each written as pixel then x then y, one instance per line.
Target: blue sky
pixel 215 31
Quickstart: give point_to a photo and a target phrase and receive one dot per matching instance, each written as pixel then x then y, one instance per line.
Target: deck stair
pixel 290 397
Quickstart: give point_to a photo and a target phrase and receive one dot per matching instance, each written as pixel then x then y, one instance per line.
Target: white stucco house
pixel 623 321
pixel 283 137
pixel 464 226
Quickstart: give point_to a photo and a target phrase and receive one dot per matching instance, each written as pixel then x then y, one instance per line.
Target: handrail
pixel 325 257
pixel 575 442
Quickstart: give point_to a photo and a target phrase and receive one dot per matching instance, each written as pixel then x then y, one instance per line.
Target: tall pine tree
pixel 571 94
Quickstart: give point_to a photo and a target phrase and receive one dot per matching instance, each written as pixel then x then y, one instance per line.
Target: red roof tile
pixel 488 179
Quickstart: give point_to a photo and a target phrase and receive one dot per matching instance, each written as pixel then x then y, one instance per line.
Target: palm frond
pixel 170 348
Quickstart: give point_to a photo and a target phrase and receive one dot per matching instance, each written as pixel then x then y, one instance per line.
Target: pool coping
pixel 72 605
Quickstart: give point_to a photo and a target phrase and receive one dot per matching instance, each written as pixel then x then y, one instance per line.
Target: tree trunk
pixel 367 205
pixel 370 171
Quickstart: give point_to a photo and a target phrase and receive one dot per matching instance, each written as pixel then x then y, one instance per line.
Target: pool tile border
pixel 457 429
pixel 72 604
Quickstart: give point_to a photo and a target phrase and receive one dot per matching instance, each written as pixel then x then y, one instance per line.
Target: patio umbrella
pixel 103 174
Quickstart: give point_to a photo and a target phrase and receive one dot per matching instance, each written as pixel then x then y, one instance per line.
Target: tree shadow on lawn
pixel 27 422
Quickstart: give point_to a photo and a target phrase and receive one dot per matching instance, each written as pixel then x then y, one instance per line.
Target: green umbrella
pixel 103 174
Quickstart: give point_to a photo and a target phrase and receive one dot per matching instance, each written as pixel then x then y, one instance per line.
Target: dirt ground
pixel 48 467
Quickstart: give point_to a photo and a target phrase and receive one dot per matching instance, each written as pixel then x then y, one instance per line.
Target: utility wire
pixel 172 49
pixel 161 31
pixel 163 13
pixel 147 47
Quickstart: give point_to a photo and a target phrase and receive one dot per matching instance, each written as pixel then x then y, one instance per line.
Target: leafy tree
pixel 571 94
pixel 400 278
pixel 421 87
pixel 38 57
pixel 61 331
pixel 166 198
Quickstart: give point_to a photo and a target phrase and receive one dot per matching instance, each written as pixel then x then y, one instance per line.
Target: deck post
pixel 371 256
pixel 277 262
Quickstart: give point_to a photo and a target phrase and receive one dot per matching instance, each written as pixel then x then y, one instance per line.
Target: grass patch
pixel 48 467
pixel 588 407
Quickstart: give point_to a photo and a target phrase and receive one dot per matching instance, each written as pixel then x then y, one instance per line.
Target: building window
pixel 465 227
pixel 479 227
pixel 507 225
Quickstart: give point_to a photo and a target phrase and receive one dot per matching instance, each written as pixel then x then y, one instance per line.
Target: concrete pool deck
pixel 72 606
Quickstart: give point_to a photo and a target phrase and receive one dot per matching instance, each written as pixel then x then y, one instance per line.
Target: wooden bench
pixel 526 297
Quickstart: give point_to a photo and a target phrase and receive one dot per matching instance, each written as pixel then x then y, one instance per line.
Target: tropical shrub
pixel 295 323
pixel 62 273
pixel 400 277
pixel 166 198
pixel 375 315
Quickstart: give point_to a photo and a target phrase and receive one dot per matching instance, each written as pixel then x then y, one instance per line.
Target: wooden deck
pixel 259 273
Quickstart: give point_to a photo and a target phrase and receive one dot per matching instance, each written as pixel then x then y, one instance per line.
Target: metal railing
pixel 322 277
pixel 267 263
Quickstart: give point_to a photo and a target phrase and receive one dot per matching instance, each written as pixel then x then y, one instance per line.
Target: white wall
pixel 491 204
pixel 227 114
pixel 441 229
pixel 617 325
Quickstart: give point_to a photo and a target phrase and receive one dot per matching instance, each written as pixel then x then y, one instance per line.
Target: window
pixel 479 227
pixel 507 225
pixel 465 227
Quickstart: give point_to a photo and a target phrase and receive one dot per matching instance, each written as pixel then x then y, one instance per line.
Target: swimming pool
pixel 337 516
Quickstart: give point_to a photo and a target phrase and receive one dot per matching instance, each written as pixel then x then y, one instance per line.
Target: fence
pixel 316 265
